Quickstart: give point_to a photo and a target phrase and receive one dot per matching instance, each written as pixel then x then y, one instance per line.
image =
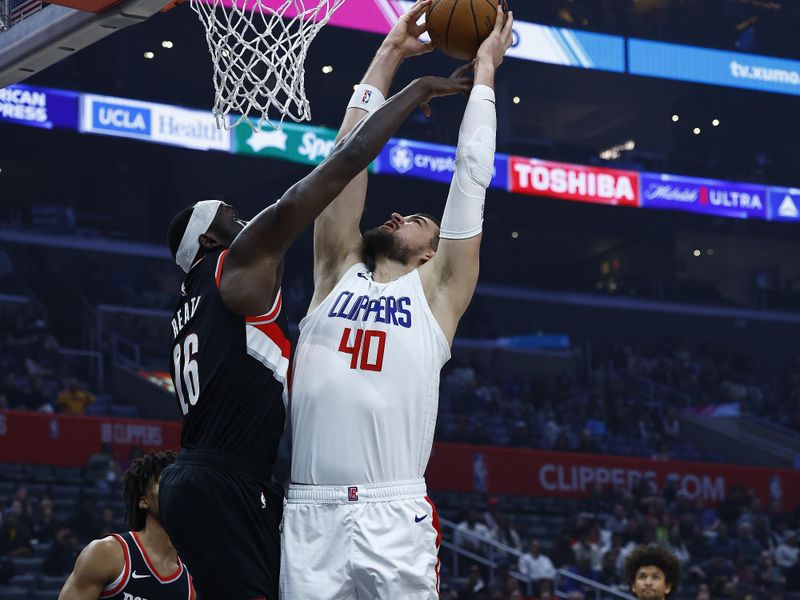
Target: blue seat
pixel 13 593
pixel 24 580
pixel 49 582
pixel 27 565
pixel 40 473
pixel 45 595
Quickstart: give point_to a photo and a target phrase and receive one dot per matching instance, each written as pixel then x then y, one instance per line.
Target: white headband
pixel 201 219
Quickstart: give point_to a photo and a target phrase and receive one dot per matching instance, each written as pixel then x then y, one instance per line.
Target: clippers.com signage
pixel 573 182
pixel 514 471
pixel 68 441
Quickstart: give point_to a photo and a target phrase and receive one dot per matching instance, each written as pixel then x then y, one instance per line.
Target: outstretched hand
pixel 499 41
pixel 457 83
pixel 404 35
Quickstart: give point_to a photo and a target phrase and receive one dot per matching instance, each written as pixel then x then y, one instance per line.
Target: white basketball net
pixel 258 53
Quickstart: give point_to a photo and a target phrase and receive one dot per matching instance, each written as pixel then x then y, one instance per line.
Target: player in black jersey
pixel 140 563
pixel 229 361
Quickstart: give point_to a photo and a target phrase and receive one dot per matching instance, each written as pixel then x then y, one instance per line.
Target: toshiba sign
pixel 574 182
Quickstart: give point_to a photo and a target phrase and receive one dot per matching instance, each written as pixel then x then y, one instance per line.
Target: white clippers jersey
pixel 365 388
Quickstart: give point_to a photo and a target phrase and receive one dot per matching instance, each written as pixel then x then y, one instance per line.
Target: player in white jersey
pixel 357 522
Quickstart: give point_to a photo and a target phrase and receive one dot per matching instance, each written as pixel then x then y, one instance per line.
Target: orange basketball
pixel 457 27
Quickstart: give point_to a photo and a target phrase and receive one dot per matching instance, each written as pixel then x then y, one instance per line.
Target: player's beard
pixel 381 243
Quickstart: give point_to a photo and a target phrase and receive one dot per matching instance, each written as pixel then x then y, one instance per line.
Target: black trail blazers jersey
pixel 139 580
pixel 230 372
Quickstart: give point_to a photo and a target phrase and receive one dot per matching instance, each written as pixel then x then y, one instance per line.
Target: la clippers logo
pixel 352 494
pixel 365 98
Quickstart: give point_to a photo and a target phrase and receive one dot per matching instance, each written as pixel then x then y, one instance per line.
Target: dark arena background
pixel 628 370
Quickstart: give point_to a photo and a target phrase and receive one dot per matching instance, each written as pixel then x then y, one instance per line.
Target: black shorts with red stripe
pixel 223 518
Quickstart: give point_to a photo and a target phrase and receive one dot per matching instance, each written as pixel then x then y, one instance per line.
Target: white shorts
pixel 370 542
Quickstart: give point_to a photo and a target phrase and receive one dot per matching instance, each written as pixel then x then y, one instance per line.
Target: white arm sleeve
pixel 463 213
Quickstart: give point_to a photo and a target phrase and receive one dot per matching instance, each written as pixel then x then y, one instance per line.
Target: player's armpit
pixel 449 281
pixel 98 564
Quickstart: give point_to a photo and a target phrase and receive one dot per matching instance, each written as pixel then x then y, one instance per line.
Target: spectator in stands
pixel 536 566
pixel 85 524
pixel 447 593
pixel 722 544
pixel 22 505
pixel 747 544
pixel 609 574
pixel 491 512
pixel 103 468
pixel 474 584
pixel 652 572
pixel 647 427
pixel 587 443
pixel 468 529
pixel 618 521
pixel 505 533
pixel 75 398
pixel 670 424
pixel 786 553
pixel 585 548
pixel 769 576
pixel 36 398
pixel 62 555
pixel 15 534
pixel 12 391
pixel 678 546
pixel 718 568
pixel 583 569
pixel 44 523
pixel 703 592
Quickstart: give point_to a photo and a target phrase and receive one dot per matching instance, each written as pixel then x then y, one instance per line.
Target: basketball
pixel 457 27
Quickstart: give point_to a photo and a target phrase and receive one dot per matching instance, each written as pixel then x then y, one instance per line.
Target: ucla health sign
pixel 435 162
pixel 116 116
pixel 716 67
pixel 706 196
pixel 783 204
pixel 39 107
pixel 153 122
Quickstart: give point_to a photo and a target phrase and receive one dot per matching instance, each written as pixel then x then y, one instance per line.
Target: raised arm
pixel 251 276
pixel 337 236
pixel 449 278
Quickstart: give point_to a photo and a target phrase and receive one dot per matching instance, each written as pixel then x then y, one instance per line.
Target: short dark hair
pixel 137 478
pixel 435 241
pixel 177 227
pixel 653 555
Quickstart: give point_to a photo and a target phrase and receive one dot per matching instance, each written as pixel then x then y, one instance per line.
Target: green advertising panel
pixel 295 143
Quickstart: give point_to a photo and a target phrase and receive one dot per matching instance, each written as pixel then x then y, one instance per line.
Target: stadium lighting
pixel 715 122
pixel 166 44
pixel 675 118
pixel 327 69
pixel 696 252
pixel 696 131
pixel 516 100
pixel 149 55
pixel 515 234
